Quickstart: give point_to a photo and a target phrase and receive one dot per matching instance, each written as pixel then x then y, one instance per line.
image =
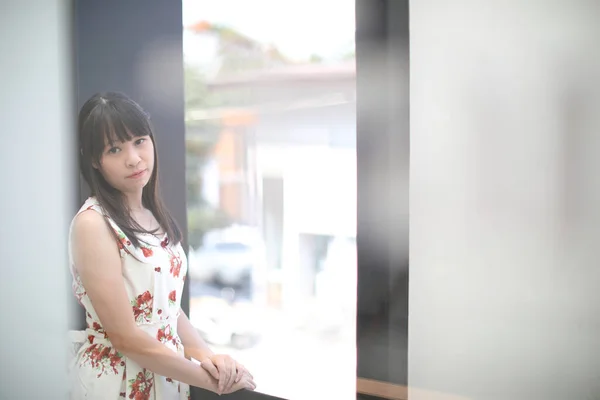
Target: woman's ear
pixel 94 165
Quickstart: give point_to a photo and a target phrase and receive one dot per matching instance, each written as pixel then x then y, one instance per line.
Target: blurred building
pixel 285 161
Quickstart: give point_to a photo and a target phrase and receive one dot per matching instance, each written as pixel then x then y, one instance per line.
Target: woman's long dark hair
pixel 110 117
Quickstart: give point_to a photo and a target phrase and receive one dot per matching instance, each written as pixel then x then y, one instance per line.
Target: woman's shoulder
pixel 90 235
pixel 92 224
pixel 90 218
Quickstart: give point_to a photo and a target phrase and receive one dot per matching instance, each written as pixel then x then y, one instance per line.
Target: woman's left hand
pixel 225 369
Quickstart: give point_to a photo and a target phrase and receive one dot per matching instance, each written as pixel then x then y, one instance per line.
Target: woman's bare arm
pixel 98 263
pixel 193 343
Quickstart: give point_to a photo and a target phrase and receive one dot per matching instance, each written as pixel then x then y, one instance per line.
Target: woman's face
pixel 127 166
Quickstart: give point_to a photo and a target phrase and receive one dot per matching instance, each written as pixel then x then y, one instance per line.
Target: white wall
pixel 36 175
pixel 320 186
pixel 505 199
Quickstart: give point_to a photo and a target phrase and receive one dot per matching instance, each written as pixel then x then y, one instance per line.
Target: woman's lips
pixel 138 174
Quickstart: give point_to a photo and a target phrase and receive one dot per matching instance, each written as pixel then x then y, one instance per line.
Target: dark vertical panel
pixel 372 200
pixel 135 47
pixel 399 155
pixel 383 159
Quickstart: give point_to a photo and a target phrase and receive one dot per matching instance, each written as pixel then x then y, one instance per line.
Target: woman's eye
pixel 113 150
pixel 140 141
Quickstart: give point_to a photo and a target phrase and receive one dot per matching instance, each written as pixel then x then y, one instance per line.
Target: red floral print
pixel 147 252
pixel 123 241
pixel 177 342
pixel 98 328
pixel 165 334
pixel 102 358
pixel 172 297
pixel 157 269
pixel 141 385
pixel 174 260
pixel 175 265
pixel 142 307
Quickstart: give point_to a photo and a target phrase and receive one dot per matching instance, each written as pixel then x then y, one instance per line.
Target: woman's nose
pixel 133 158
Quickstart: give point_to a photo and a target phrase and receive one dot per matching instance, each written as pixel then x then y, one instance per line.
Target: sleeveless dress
pixel 153 275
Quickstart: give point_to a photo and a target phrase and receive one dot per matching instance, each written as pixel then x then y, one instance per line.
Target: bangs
pixel 110 124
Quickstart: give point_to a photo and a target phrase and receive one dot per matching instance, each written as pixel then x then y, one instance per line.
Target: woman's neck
pixel 134 201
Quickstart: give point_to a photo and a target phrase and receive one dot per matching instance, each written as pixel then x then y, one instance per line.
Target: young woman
pixel 128 269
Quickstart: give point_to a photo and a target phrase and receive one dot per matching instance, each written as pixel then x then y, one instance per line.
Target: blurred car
pixel 228 257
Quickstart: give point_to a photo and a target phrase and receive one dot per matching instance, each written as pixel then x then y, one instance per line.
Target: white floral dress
pixel 153 275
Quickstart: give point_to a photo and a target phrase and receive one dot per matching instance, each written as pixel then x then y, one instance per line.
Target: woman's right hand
pixel 246 382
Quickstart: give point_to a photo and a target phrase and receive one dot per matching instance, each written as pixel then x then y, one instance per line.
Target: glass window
pixel 271 175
